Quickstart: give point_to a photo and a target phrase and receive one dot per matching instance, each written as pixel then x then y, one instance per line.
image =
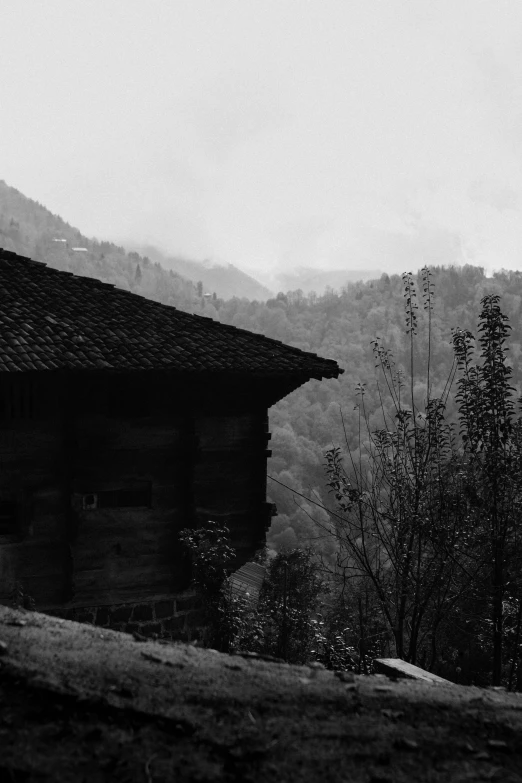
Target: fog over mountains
pixel 225 279
pixel 30 229
pixel 331 135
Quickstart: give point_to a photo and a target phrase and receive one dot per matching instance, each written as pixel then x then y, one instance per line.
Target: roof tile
pixel 55 320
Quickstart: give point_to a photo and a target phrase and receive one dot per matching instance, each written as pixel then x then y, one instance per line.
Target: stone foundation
pixel 178 618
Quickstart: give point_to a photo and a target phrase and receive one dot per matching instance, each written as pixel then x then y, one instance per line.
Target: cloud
pixel 298 242
pixel 273 134
pixel 234 109
pixel 428 244
pixel 497 195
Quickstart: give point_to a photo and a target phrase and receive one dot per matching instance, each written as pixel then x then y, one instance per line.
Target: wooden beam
pixel 395 667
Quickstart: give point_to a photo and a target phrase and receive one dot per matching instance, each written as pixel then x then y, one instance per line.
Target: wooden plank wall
pixel 31 464
pixel 200 465
pixel 125 554
pixel 230 476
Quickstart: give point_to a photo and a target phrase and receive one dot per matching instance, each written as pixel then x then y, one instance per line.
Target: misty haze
pixel 261 391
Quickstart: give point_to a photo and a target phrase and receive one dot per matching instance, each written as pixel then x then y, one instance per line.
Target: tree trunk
pixel 514 660
pixel 498 594
pixel 398 633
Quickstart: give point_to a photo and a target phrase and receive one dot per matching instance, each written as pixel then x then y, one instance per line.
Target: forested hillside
pixel 318 280
pixel 30 229
pixel 226 280
pixel 339 325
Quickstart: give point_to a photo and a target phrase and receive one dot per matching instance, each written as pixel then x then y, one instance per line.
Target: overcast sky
pixel 272 133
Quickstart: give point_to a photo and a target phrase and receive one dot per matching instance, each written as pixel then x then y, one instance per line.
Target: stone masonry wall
pixel 178 617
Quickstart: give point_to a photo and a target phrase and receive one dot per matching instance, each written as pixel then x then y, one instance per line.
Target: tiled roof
pixel 52 320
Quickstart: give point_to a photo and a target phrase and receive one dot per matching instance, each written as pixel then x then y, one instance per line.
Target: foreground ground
pixel 79 703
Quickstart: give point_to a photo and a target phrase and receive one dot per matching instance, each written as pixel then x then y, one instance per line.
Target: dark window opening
pixel 123 498
pixel 125 401
pixel 118 498
pixel 90 501
pixel 8 518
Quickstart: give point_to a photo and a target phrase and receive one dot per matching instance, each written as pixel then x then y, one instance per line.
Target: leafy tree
pixel 428 521
pixel 287 604
pixel 212 556
pixel 493 447
pixel 400 514
pixel 284 622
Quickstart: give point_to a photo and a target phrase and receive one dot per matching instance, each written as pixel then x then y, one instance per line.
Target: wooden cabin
pixel 123 421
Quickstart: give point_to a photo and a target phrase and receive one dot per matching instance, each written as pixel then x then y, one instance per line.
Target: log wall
pixel 200 451
pixel 129 553
pixel 31 468
pixel 229 482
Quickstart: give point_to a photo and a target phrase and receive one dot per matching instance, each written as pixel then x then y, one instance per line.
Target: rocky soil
pixel 80 703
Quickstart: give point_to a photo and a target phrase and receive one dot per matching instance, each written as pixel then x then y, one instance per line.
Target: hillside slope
pixel 226 280
pixel 308 279
pixel 84 703
pixel 28 228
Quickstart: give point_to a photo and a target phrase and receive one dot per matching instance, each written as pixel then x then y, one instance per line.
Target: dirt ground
pixel 80 703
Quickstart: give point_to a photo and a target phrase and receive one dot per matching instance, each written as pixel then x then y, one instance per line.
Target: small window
pixel 90 501
pixel 118 498
pixel 123 498
pixel 8 518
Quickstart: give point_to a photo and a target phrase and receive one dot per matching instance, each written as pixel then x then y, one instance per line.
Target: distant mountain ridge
pixel 30 229
pixel 225 279
pixel 308 279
